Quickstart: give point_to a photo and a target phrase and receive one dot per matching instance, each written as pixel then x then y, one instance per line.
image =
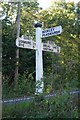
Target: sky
pixel 46 3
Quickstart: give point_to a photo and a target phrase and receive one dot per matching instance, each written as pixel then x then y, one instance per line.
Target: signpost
pixel 25 42
pixel 30 44
pixel 51 31
pixel 50 48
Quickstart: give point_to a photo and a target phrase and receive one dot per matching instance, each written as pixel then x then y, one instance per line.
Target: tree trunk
pixel 18 34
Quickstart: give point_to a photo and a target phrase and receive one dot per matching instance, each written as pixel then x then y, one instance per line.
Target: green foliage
pixel 25 86
pixel 63 15
pixel 61 106
pixel 64 66
pixel 8 45
pixel 28 9
pixel 60 70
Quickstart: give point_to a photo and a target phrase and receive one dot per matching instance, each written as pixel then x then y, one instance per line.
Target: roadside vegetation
pixel 61 70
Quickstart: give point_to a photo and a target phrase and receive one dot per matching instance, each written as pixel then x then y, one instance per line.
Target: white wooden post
pixel 39 61
pixel 39 46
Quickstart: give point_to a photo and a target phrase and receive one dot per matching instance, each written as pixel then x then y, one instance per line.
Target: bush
pixel 25 86
pixel 60 106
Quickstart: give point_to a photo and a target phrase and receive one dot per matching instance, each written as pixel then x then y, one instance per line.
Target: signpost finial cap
pixel 38 25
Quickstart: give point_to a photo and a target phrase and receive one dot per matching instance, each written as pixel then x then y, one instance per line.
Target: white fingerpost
pixel 39 47
pixel 39 62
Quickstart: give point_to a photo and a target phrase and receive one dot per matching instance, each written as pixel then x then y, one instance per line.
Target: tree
pixel 28 9
pixel 18 34
pixel 63 15
pixel 67 62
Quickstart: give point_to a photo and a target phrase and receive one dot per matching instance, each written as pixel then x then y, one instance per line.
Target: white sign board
pixel 51 31
pixel 30 44
pixel 23 43
pixel 51 48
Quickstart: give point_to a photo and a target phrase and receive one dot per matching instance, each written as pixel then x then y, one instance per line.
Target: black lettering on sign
pixel 19 42
pixel 52 33
pixel 58 50
pixel 47 30
pixel 54 47
pixel 21 45
pixel 53 29
pixel 34 44
pixel 44 48
pixel 48 46
pixel 43 34
pixel 55 32
pixel 44 45
pixel 46 34
pixel 58 31
pixel 26 42
pixel 50 50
